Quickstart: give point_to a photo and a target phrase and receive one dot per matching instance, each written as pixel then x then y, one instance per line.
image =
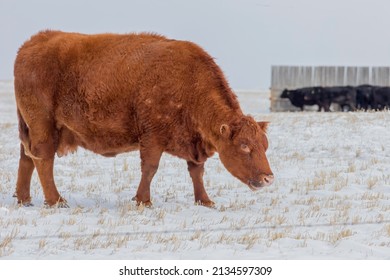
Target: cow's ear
pixel 263 125
pixel 225 131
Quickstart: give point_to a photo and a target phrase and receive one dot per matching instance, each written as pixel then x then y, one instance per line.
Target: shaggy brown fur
pixel 113 93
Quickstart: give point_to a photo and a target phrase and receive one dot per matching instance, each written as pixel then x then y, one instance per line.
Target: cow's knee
pixel 42 138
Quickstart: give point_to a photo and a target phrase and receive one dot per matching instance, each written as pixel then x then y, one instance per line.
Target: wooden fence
pixel 292 77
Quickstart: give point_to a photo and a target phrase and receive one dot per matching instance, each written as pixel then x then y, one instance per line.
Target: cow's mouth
pixel 255 185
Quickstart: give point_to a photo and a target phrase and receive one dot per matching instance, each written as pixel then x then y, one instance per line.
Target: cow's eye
pixel 245 148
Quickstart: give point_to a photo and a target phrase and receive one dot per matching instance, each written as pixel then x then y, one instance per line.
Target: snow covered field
pixel 330 198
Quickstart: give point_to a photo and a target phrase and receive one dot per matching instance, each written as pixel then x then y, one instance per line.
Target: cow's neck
pixel 212 117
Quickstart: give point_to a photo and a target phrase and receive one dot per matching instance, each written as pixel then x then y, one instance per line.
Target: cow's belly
pixel 107 143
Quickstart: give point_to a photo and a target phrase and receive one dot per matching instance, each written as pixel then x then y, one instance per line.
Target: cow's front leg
pixel 46 176
pixel 150 158
pixel 196 172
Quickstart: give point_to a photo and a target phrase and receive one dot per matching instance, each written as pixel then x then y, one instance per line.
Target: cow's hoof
pixel 25 203
pixel 59 204
pixel 209 203
pixel 147 204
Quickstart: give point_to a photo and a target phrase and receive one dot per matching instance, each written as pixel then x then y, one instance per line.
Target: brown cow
pixel 113 93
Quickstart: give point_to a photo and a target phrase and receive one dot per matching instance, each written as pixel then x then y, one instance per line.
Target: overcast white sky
pixel 245 36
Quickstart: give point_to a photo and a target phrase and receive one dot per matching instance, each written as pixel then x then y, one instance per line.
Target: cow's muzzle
pixel 265 180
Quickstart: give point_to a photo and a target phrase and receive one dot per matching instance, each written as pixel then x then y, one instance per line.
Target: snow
pixel 330 198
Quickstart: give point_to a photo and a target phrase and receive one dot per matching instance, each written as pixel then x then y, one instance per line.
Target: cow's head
pixel 285 94
pixel 242 151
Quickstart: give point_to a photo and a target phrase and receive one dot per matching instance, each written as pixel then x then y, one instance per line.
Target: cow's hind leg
pixel 26 168
pixel 150 158
pixel 196 172
pixel 42 136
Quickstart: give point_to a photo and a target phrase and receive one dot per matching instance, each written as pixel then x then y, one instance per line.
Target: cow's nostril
pixel 269 179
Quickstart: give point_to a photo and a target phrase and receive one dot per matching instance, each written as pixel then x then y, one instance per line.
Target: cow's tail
pixel 24 135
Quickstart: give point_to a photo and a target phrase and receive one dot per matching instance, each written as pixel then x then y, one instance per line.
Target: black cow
pixel 372 97
pixel 304 96
pixel 344 96
pixel 381 98
pixel 364 97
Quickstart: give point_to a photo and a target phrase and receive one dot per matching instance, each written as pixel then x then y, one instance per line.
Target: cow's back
pixel 106 67
pixel 64 60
